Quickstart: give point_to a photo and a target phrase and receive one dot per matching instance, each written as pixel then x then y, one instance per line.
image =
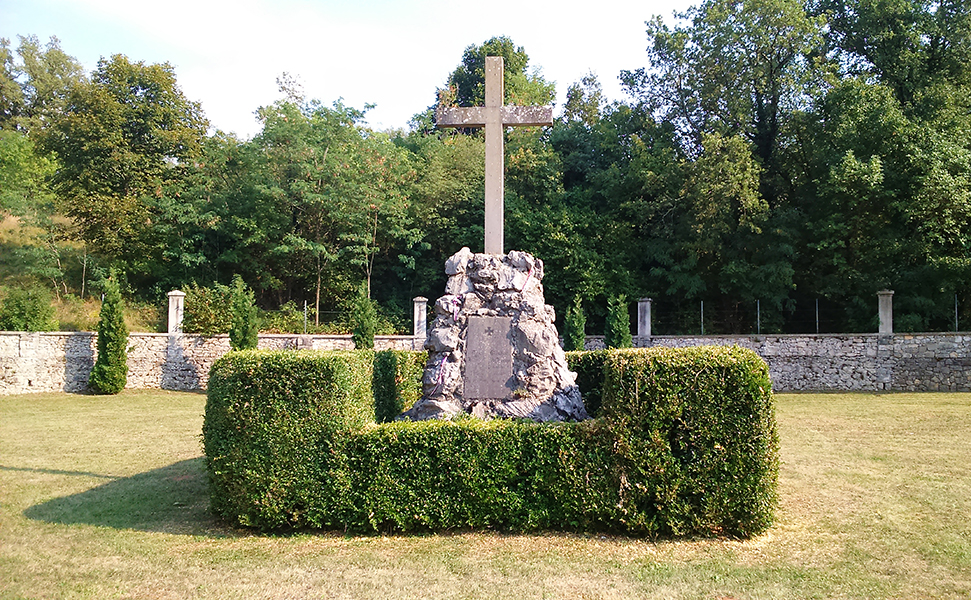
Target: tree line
pixel 769 151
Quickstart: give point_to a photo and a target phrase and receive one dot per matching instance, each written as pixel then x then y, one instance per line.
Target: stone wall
pixel 45 362
pixel 62 361
pixel 857 362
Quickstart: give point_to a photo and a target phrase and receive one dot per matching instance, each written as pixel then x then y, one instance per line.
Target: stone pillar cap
pixel 176 293
pixel 419 299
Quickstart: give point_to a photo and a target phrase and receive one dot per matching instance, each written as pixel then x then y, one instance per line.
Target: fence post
pixel 176 310
pixel 644 318
pixel 886 311
pixel 420 317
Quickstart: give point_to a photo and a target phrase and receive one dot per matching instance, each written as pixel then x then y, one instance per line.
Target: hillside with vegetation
pixel 769 153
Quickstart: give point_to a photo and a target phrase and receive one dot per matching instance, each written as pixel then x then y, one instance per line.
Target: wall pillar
pixel 644 318
pixel 420 317
pixel 176 310
pixel 886 311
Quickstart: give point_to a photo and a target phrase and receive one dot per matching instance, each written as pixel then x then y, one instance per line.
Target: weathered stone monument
pixel 493 348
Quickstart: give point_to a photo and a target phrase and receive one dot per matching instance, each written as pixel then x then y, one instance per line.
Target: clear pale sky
pixel 228 55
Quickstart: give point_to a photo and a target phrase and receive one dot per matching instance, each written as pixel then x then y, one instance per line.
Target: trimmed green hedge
pixel 268 415
pixel 685 444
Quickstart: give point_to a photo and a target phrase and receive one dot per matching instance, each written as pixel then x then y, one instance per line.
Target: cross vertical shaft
pixel 495 160
pixel 494 117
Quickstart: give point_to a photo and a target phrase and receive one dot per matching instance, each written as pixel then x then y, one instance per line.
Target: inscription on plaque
pixel 488 363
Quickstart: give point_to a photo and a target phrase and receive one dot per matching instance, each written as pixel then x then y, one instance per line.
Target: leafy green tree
pixel 447 199
pixel 125 139
pixel 364 320
pixel 110 372
pixel 886 203
pixel 912 46
pixel 574 328
pixel 736 68
pixel 27 310
pixel 520 86
pixel 35 88
pixel 617 333
pixel 37 245
pixel 339 193
pixel 244 332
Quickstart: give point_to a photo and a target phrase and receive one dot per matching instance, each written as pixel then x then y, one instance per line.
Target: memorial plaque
pixel 488 363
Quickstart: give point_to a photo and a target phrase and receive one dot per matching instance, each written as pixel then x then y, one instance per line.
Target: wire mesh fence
pixel 805 316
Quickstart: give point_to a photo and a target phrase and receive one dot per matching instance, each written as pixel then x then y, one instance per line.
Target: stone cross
pixel 495 118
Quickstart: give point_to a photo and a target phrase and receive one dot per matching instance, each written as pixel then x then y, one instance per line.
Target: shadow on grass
pixel 173 499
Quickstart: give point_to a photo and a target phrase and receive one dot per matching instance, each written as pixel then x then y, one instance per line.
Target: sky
pixel 228 55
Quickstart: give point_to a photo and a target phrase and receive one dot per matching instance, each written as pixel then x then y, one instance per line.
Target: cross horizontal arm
pixel 527 115
pixel 461 117
pixel 478 116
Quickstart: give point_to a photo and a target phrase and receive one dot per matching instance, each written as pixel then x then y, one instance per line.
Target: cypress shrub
pixel 110 372
pixel 617 333
pixel 364 320
pixel 397 382
pixel 589 367
pixel 574 326
pixel 244 331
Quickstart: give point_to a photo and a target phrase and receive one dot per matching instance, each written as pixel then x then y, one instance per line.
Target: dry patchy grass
pixel 106 497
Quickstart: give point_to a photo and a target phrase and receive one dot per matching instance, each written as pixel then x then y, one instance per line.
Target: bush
pixel 27 310
pixel 697 429
pixel 364 320
pixel 110 372
pixel 208 311
pixel 574 327
pixel 244 331
pixel 617 333
pixel 685 445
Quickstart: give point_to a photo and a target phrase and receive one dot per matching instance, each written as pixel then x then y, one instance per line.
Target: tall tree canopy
pixel 520 85
pixel 771 153
pixel 35 82
pixel 125 140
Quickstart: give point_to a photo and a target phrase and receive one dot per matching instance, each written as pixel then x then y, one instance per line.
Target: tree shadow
pixel 179 373
pixel 79 352
pixel 172 499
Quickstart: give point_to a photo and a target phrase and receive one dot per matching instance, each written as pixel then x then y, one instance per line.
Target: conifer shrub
pixel 364 320
pixel 685 444
pixel 397 382
pixel 589 368
pixel 245 329
pixel 617 333
pixel 110 372
pixel 574 326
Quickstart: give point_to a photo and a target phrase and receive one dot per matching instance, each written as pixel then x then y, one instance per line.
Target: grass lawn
pixel 105 497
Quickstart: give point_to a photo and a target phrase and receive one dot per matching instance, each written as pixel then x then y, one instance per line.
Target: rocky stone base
pixel 493 347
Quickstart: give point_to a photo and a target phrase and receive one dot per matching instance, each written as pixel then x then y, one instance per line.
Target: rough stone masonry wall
pixel 62 361
pixel 46 362
pixel 858 362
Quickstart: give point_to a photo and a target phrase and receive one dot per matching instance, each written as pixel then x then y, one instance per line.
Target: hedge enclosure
pixel 685 443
